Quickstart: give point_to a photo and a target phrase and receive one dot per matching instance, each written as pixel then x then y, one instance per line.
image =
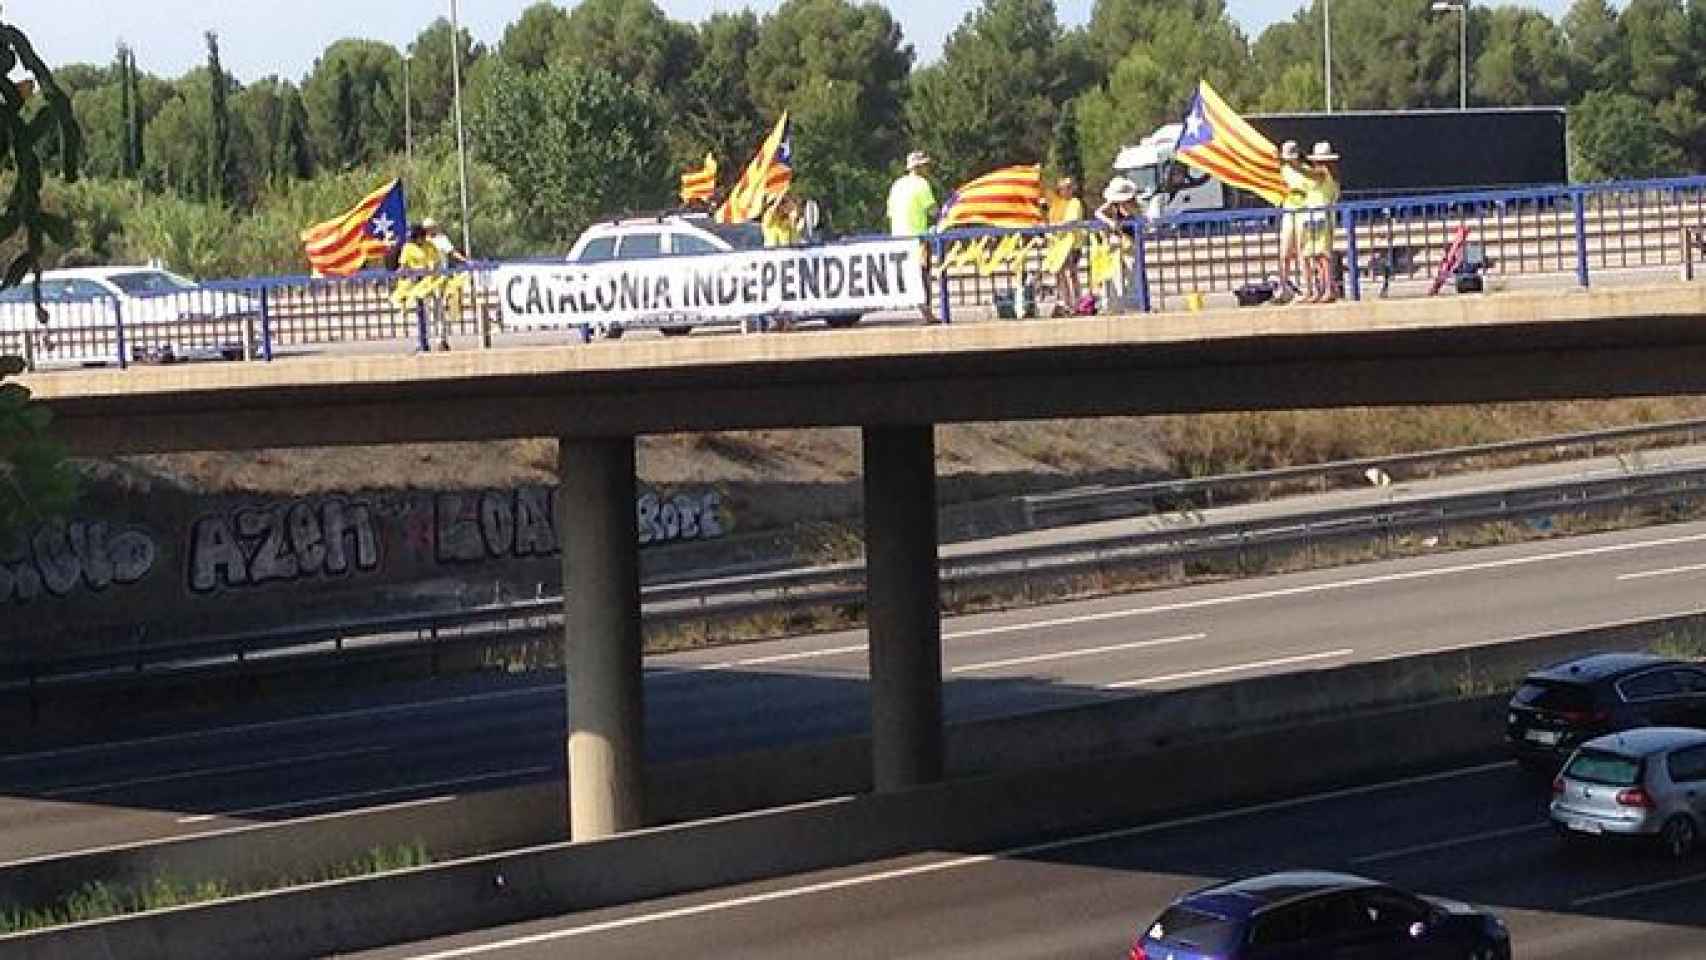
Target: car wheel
pixel 614 332
pixel 1679 836
pixel 675 331
pixel 842 323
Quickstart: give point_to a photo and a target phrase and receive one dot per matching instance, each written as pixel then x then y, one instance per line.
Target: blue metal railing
pixel 1561 230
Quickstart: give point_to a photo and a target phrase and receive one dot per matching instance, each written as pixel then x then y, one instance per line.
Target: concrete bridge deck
pixel 1623 341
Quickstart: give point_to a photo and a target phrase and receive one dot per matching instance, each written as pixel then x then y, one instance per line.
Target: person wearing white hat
pixel 1119 203
pixel 1318 223
pixel 911 203
pixel 1297 184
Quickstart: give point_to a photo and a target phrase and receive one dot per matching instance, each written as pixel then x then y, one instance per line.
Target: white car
pixel 672 234
pixel 165 317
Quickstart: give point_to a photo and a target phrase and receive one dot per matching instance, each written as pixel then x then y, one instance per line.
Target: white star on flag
pixel 1194 123
pixel 383 228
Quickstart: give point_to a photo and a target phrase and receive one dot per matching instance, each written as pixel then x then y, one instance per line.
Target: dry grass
pixel 779 477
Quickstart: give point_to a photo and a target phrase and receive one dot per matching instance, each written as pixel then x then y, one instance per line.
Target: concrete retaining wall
pixel 967 815
pixel 535 814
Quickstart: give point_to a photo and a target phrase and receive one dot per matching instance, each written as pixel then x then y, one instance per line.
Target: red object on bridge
pixel 1453 257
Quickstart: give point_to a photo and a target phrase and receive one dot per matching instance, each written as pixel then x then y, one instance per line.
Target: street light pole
pixel 1327 48
pixel 1461 8
pixel 461 142
pixel 1463 55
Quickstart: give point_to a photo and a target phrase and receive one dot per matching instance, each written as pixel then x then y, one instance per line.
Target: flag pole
pixel 461 142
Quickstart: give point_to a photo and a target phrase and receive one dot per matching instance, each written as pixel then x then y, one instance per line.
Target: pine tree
pixel 220 168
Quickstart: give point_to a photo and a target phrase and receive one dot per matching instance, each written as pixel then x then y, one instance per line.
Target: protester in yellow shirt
pixel 1067 208
pixel 781 222
pixel 911 202
pixel 421 258
pixel 1297 187
pixel 1318 223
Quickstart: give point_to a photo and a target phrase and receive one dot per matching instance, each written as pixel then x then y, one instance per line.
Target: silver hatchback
pixel 1649 782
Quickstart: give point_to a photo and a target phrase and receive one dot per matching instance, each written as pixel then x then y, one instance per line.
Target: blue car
pixel 1319 916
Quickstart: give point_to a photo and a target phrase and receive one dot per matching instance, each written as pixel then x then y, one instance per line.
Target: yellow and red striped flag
pixel 700 185
pixel 1009 197
pixel 767 177
pixel 1218 142
pixel 343 245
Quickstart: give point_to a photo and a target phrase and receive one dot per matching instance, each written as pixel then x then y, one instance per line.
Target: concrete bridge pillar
pixel 903 596
pixel 601 643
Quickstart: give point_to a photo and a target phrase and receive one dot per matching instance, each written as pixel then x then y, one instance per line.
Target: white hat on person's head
pixel 1322 152
pixel 1120 190
pixel 916 159
pixel 1289 150
pixel 428 223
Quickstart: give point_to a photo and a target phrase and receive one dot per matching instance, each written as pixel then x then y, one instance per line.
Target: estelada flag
pixel 700 185
pixel 1220 143
pixel 767 177
pixel 1009 197
pixel 343 245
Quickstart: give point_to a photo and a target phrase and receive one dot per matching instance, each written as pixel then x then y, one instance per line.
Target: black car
pixel 1306 915
pixel 1562 706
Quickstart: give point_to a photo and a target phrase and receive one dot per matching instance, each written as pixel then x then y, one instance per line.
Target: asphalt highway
pixel 351 751
pixel 1476 834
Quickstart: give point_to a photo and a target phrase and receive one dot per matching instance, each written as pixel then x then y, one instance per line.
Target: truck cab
pixel 1165 185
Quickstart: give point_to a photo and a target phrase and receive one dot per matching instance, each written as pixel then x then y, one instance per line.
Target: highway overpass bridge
pixel 895 384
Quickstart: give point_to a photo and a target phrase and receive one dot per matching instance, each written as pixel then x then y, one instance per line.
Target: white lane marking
pixel 828 886
pixel 1398 577
pixel 1402 852
pixel 555 688
pixel 1234 668
pixel 777 658
pixel 1667 572
pixel 366 794
pixel 1201 603
pixel 210 772
pixel 1069 654
pixel 228 831
pixel 1637 891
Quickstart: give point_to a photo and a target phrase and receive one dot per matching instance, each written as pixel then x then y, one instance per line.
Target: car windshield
pixel 143 283
pixel 1202 932
pixel 741 236
pixel 1600 766
pixel 1557 697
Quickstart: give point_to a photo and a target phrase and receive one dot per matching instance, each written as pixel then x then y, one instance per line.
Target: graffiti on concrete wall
pixel 60 559
pixel 522 523
pixel 301 539
pixel 684 516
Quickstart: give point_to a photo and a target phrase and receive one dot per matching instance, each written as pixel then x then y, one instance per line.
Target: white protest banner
pixel 794 281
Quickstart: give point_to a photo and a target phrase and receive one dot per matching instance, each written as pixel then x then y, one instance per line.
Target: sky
pixel 258 38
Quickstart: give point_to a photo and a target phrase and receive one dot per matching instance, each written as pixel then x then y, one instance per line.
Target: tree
pixel 718 113
pixel 1598 55
pixel 632 39
pixel 1065 158
pixel 432 90
pixel 1153 81
pixel 35 481
pixel 575 142
pixel 1616 136
pixel 531 40
pixel 807 43
pixel 222 183
pixel 993 98
pixel 354 101
pixel 126 65
pixel 1523 59
pixel 275 133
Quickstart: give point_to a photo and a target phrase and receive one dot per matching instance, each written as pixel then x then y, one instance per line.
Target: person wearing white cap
pixel 1318 223
pixel 1297 184
pixel 911 202
pixel 1119 203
